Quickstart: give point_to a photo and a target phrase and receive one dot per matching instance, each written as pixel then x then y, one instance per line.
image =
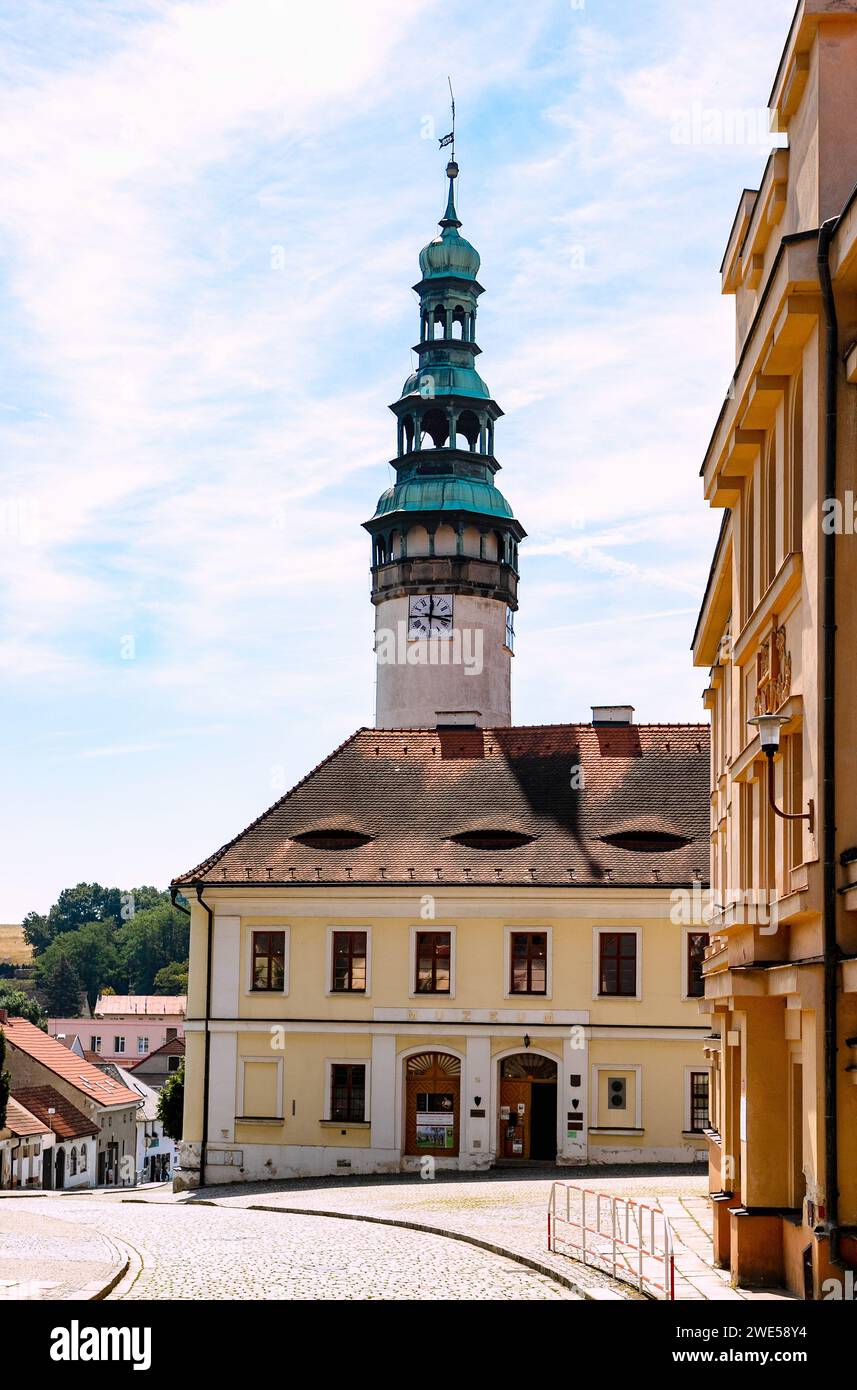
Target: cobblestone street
pixel 204 1252
pixel 388 1237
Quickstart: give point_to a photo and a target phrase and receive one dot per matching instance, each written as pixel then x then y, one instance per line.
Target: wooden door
pixel 432 1104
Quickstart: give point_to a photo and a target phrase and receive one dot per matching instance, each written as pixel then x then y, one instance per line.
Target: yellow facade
pixel 270 1053
pixel 781 969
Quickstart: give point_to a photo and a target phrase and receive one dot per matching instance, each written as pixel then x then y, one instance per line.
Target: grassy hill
pixel 13 948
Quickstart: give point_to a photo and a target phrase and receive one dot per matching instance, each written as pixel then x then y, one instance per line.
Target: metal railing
pixel 628 1240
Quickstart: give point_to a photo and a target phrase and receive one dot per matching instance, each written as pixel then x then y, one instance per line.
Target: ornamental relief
pixel 773 671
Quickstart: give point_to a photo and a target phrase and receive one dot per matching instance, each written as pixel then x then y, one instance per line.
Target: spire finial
pixel 450 217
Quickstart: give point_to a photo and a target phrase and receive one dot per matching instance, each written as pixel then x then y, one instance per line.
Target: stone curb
pixel 96 1289
pixel 591 1295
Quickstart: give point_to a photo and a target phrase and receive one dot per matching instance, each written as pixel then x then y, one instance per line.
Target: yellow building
pixel 459 944
pixel 778 630
pixel 456 941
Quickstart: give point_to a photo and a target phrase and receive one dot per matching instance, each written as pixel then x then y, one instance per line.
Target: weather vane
pixel 450 138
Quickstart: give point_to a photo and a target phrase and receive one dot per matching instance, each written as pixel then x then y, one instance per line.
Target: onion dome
pixel 449 253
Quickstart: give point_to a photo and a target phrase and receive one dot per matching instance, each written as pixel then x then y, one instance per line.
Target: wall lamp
pixel 769 726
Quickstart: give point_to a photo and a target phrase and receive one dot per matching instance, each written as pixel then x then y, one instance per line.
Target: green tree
pixel 153 938
pixel 92 951
pixel 171 1104
pixel 171 979
pixel 37 931
pixel 5 1080
pixel 62 989
pixel 19 1004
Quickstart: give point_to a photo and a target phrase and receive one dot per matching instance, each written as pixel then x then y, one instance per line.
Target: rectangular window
pixel 172 1033
pixel 348 1092
pixel 173 1063
pixel 529 963
pixel 617 965
pixel 698 1101
pixel 434 953
pixel 142 1046
pixel 269 957
pixel 696 944
pixel 95 1043
pixel 349 962
pixel 118 1044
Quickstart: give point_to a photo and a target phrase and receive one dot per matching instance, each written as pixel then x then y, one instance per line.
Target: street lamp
pixel 769 726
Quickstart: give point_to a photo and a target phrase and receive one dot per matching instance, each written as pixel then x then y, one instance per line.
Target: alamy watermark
pixel 459 647
pixel 698 907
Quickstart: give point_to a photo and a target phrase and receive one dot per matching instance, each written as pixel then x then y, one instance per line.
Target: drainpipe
pixel 831 949
pixel 178 907
pixel 205 1073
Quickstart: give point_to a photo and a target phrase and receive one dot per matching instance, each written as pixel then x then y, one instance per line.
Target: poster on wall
pixel 435 1130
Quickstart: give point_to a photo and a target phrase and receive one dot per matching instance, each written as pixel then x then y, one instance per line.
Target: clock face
pixel 430 615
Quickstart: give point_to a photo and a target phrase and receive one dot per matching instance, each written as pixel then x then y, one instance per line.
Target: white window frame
pixel 412 961
pixel 329 1064
pixel 518 930
pixel 287 962
pixel 117 1050
pixel 685 972
pixel 95 1040
pixel 636 1068
pixel 688 1073
pixel 341 993
pixel 270 1061
pixel 597 933
pixel 142 1051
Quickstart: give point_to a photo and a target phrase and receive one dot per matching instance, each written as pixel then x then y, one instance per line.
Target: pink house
pixel 128 1026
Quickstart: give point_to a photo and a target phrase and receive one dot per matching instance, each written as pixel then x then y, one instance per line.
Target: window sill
pixel 693 1134
pixel 345 1124
pixel 615 1129
pixel 259 1119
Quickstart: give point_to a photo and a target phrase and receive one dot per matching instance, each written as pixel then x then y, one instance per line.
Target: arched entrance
pixel 528 1096
pixel 432 1110
pixel 59 1169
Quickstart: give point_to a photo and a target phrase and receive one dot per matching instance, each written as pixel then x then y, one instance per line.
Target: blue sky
pixel 209 230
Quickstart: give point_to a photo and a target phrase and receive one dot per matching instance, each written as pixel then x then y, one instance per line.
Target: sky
pixel 210 221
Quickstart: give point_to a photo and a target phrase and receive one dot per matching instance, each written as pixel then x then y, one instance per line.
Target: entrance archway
pixel 59 1169
pixel 432 1104
pixel 528 1099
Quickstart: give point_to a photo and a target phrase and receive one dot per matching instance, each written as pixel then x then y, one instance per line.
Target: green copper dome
pixel 444 494
pixel 433 379
pixel 449 253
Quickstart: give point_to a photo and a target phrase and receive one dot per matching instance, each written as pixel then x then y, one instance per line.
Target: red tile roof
pixel 152 1005
pixel 21 1121
pixel 62 1062
pixel 173 1047
pixel 411 791
pixel 67 1122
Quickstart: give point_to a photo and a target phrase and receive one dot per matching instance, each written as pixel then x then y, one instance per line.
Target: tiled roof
pixel 147 1095
pixel 153 1005
pixel 412 790
pixel 22 1121
pixel 173 1047
pixel 62 1062
pixel 67 1122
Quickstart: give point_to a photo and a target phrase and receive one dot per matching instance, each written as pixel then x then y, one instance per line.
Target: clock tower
pixel 444 538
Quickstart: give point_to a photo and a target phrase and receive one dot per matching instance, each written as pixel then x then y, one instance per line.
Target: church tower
pixel 444 539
